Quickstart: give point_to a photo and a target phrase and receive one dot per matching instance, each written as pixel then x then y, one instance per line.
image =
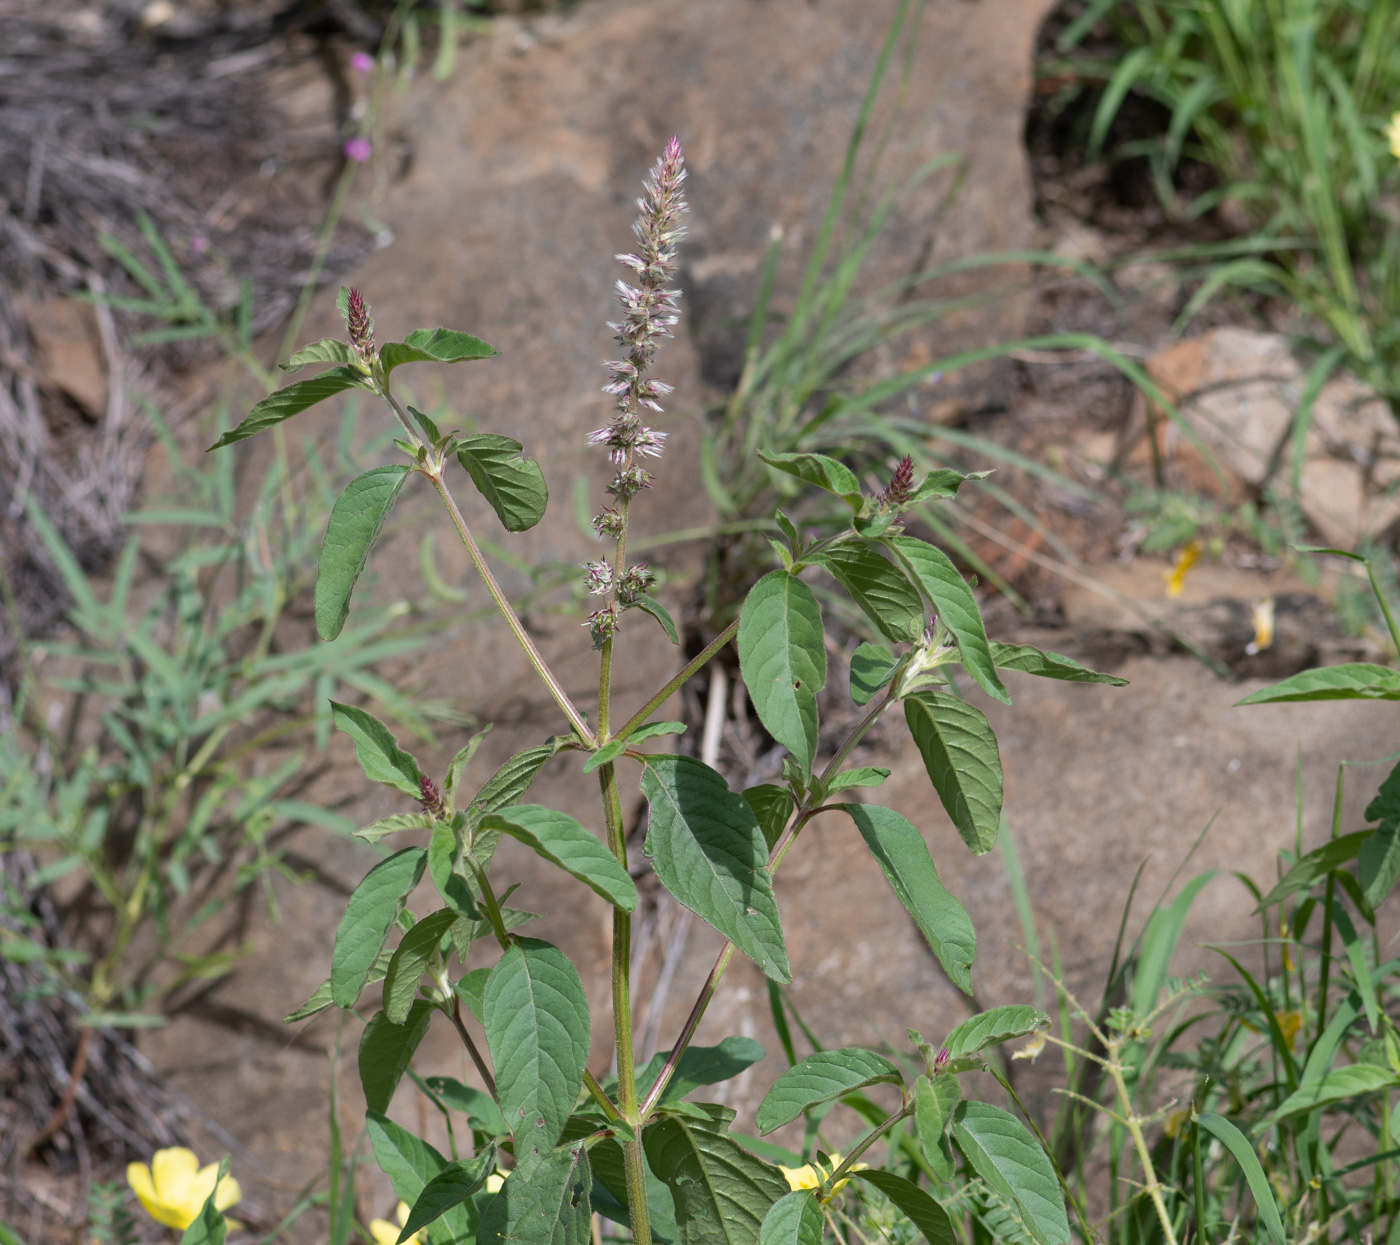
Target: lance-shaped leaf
pixel 550 1206
pixel 793 1220
pixel 1313 866
pixel 511 780
pixel 377 830
pixel 881 589
pixel 650 605
pixel 1386 804
pixel 924 1213
pixel 1029 660
pixel 327 350
pixel 935 1100
pixel 933 571
pixel 783 661
pixel 861 776
pixel 614 748
pixel 960 753
pixel 411 1164
pixel 823 1077
pixel 535 1014
pixel 721 1191
pixel 513 485
pixel 1001 1024
pixel 452 1186
pixel 1378 863
pixel 1003 1152
pixel 458 766
pixel 386 1049
pixel 321 997
pixel 872 667
pixel 1348 1081
pixel 826 473
pixel 476 1104
pixel 567 843
pixel 433 346
pixel 410 961
pixel 904 856
pixel 708 850
pixel 356 520
pixel 368 914
pixel 1358 680
pixel 1238 1145
pixel 290 401
pixel 378 751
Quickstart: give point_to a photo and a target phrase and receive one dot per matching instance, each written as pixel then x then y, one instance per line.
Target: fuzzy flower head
pixel 174 1188
pixel 608 523
pixel 602 625
pixel 636 581
pixel 629 482
pixel 597 577
pixel 627 435
pixel 901 486
pixel 357 150
pixel 357 320
pixel 386 1233
pixel 431 797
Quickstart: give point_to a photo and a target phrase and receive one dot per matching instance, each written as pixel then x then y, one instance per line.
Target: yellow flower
pixel 1392 134
pixel 1263 626
pixel 1176 1122
pixel 1185 560
pixel 174 1188
pixel 1289 1023
pixel 1032 1048
pixel 811 1176
pixel 494 1181
pixel 385 1233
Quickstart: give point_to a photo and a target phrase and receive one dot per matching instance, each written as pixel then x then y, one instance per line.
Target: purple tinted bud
pixel 635 581
pixel 629 482
pixel 357 320
pixel 602 625
pixel 430 797
pixel 901 485
pixel 608 523
pixel 940 1060
pixel 362 62
pixel 357 149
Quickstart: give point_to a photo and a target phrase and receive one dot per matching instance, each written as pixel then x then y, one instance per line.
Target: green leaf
pixel 700 1065
pixel 377 830
pixel 793 1220
pixel 208 1227
pixel 721 1191
pixel 410 1165
pixel 923 1212
pixel 904 856
pixel 1315 865
pixel 826 473
pixel 960 754
pixel 471 987
pixel 512 780
pixel 1378 863
pixel 321 997
pixel 955 605
pixel 290 401
pixel 452 884
pixel 386 1049
pixel 872 667
pixel 823 1077
pixel 378 751
pixel 549 1207
pixel 411 961
pixel 942 484
pixel 1358 680
pixel 433 346
pixel 610 1185
pixel 773 806
pixel 1386 804
pixel 565 842
pixel 1003 1152
pixel 861 776
pixel 476 1104
pixel 783 661
pixel 882 591
pixel 645 601
pixel 356 520
pixel 369 913
pixel 935 1100
pixel 708 851
pixel 614 748
pixel 452 1186
pixel 512 484
pixel 327 350
pixel 535 1014
pixel 1046 665
pixel 1001 1024
pixel 1349 1081
pixel 1238 1145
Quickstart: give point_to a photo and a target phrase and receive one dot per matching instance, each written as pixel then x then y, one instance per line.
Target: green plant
pixel 1258 1108
pixel 1288 101
pixel 634 1147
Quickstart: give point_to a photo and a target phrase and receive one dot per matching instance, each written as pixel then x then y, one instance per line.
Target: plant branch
pixel 517 628
pixel 674 684
pixel 482 1069
pixel 864 1144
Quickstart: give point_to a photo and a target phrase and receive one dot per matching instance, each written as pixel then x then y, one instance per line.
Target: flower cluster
pixel 430 797
pixel 357 320
pixel 901 486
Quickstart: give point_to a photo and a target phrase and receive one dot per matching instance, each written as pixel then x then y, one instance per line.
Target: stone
pixel 68 352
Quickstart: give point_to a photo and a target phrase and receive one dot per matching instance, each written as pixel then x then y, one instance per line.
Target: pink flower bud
pixel 357 149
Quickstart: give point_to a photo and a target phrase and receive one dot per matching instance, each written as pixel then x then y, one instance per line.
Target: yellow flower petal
pixel 138 1176
pixel 801 1177
pixel 494 1182
pixel 1185 560
pixel 1392 134
pixel 384 1232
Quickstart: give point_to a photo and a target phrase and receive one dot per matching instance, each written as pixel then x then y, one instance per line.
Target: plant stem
pixel 561 697
pixel 675 683
pixel 1133 1123
pixel 485 1072
pixel 864 1144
